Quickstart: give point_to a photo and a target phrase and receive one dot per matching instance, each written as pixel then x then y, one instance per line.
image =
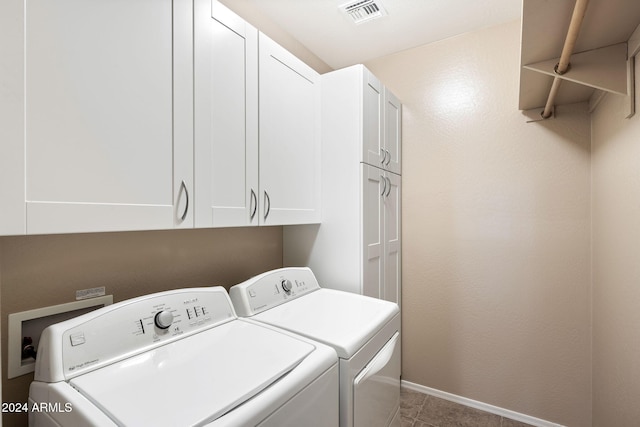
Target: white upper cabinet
pixel 226 118
pixel 289 137
pixel 107 134
pixel 257 126
pixel 152 114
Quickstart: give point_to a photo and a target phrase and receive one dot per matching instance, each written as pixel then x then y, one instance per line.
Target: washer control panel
pixel 130 327
pixel 271 289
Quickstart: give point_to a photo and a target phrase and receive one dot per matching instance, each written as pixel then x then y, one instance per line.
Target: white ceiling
pixel 334 38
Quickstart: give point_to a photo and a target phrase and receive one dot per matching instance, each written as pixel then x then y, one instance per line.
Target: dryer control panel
pixel 121 330
pixel 271 289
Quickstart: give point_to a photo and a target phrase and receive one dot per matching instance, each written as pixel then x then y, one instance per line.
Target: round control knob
pixel 163 319
pixel 286 285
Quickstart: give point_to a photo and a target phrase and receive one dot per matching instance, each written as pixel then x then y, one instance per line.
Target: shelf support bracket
pixel 604 68
pixel 608 69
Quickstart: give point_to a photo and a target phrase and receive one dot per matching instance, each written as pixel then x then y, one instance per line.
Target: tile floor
pixel 421 410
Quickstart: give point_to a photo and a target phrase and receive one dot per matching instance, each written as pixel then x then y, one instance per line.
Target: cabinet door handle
pixel 388 187
pixel 253 202
pixel 384 181
pixel 383 152
pixel 388 157
pixel 267 202
pixel 183 187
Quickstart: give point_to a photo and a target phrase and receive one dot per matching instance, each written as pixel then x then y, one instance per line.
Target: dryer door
pixel 377 387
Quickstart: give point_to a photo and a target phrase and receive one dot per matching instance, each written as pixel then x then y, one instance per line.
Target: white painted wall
pixel 496 229
pixel 616 264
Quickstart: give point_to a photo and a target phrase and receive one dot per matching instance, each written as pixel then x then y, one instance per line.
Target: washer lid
pixel 195 380
pixel 342 320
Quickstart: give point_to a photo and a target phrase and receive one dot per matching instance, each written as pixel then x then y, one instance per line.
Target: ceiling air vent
pixel 363 10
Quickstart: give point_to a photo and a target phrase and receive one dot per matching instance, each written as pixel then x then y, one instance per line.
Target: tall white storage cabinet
pixel 107 96
pixel 357 247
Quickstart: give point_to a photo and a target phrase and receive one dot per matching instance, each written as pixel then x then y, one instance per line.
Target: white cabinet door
pixel 289 137
pixel 381 233
pixel 226 117
pixel 372 208
pixel 392 132
pixel 392 238
pixel 372 120
pixel 100 134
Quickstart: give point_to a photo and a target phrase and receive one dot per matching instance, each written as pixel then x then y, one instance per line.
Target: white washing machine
pixel 364 331
pixel 180 358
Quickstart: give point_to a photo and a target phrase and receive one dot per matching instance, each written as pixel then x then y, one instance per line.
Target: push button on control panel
pixel 77 339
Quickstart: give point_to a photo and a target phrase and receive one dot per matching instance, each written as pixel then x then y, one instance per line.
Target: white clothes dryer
pixel 364 331
pixel 180 358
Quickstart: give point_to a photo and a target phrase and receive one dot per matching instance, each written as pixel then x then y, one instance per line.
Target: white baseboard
pixel 516 416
